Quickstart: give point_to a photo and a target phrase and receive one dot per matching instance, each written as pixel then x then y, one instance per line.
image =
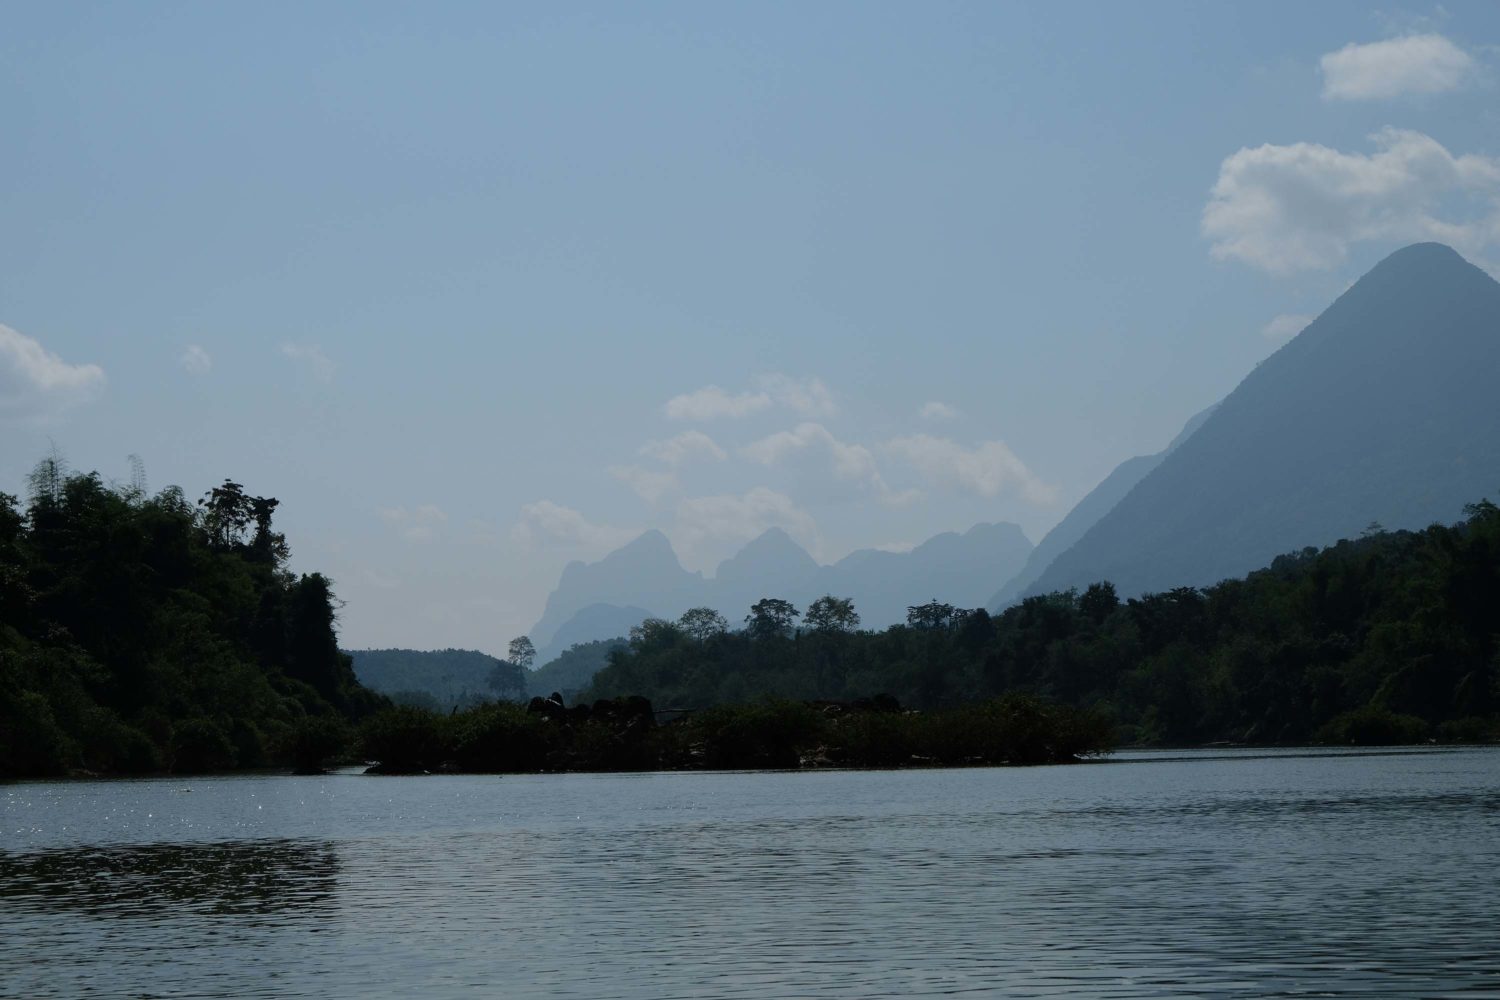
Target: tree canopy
pixel 142 632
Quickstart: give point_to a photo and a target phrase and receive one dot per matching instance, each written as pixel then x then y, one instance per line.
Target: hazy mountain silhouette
pixel 1382 410
pixel 596 621
pixel 645 572
pixel 603 600
pixel 771 565
pixel 1100 500
pixel 957 569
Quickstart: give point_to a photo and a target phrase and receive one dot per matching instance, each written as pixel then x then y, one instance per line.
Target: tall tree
pixel 522 652
pixel 830 615
pixel 771 616
pixel 703 624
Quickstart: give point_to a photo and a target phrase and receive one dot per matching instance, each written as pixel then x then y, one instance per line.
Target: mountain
pixel 1100 501
pixel 644 572
pixel 1382 410
pixel 597 621
pixel 771 565
pixel 957 569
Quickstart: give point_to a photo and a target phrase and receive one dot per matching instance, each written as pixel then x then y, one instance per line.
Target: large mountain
pixel 1099 501
pixel 603 600
pixel 1382 410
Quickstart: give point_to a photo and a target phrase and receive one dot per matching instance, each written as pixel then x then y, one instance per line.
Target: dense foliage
pixel 439 679
pixel 141 633
pixel 623 734
pixel 571 672
pixel 1388 638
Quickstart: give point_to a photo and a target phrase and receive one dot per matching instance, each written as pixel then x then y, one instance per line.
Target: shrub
pixel 404 740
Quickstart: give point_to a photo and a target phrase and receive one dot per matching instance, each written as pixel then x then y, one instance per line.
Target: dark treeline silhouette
pixel 1388 638
pixel 624 734
pixel 141 633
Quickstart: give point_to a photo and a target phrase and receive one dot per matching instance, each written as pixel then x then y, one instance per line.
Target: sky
pixel 479 289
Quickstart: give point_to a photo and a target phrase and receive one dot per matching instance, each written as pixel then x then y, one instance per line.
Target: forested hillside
pixel 1390 637
pixel 439 678
pixel 141 633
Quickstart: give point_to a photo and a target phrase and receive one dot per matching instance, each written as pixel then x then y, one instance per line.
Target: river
pixel 1204 873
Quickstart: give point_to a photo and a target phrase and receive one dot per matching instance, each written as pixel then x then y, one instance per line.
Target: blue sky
pixel 478 289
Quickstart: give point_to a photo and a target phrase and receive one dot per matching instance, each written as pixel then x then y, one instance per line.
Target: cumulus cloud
pixel 847 461
pixel 195 360
pixel 1416 64
pixel 1285 327
pixel 711 402
pixel 311 357
pixel 988 469
pixel 419 524
pixel 740 518
pixel 1301 207
pixel 647 484
pixel 547 523
pixel 35 382
pixel 937 411
pixel 685 447
pixel 809 397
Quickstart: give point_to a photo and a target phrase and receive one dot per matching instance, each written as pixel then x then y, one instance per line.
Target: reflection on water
pixel 159 879
pixel 1196 876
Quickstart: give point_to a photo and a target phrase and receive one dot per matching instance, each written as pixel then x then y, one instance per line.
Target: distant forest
pixel 439 679
pixel 1388 638
pixel 144 633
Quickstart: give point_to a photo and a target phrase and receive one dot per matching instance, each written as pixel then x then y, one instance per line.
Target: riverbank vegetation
pixel 623 734
pixel 147 632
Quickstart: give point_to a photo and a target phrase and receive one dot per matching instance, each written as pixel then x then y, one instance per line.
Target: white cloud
pixel 685 447
pixel 711 402
pixel 36 382
pixel 420 524
pixel 808 397
pixel 988 469
pixel 548 523
pixel 312 358
pixel 1301 207
pixel 1285 327
pixel 740 518
pixel 937 411
pixel 648 484
pixel 195 360
pixel 1416 64
pixel 847 461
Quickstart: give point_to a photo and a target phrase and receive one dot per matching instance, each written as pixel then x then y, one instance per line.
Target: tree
pixel 930 615
pixel 1099 601
pixel 831 615
pixel 522 652
pixel 703 624
pixel 771 616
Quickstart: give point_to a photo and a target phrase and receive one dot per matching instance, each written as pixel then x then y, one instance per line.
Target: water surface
pixel 1232 873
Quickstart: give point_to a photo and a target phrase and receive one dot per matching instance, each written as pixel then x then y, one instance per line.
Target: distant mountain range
pixel 643 579
pixel 1383 410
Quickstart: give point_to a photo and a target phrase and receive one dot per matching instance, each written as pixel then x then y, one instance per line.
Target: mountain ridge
pixel 1378 411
